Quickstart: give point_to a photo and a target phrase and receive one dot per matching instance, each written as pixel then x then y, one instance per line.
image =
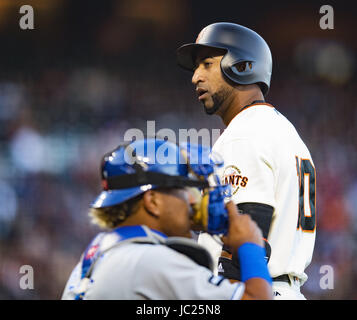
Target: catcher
pixel 148 211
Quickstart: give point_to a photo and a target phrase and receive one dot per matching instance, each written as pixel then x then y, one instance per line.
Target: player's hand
pixel 241 229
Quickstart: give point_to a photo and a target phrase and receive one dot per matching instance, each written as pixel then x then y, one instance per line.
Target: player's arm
pixel 262 215
pixel 255 289
pixel 245 238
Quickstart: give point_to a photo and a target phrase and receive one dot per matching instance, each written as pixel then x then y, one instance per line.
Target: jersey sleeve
pixel 169 275
pixel 250 170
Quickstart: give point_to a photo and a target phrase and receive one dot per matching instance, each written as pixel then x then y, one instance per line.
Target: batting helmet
pixel 132 169
pixel 241 45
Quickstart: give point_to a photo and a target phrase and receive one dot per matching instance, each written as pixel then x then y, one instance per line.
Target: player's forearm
pixel 257 289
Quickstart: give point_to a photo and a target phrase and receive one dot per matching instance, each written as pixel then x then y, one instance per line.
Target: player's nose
pixel 197 76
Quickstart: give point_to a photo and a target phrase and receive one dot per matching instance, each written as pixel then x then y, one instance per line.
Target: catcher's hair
pixel 112 217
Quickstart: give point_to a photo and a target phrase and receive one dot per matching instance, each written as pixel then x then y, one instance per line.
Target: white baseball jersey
pixel 266 162
pixel 135 271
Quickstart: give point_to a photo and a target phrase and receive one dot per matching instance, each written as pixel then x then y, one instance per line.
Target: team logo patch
pixel 233 176
pixel 91 252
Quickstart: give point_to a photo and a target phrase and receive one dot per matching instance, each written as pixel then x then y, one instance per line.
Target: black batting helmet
pixel 241 44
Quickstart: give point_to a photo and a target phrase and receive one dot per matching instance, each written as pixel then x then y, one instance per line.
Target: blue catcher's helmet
pixel 136 167
pixel 145 164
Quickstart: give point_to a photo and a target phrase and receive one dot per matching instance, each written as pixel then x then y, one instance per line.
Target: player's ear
pixel 152 203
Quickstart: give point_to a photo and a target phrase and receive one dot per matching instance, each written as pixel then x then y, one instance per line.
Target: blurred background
pixel 90 70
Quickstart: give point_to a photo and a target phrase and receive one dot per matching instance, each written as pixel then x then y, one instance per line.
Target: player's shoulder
pixel 260 113
pixel 261 127
pixel 259 120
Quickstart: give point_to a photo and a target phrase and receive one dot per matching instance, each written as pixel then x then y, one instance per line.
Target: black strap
pixel 282 278
pixel 155 178
pixel 192 250
pixel 261 213
pixel 229 268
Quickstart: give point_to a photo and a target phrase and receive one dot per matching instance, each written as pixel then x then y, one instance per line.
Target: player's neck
pixel 238 102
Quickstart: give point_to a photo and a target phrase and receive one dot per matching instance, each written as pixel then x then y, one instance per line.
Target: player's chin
pixel 207 102
pixel 209 109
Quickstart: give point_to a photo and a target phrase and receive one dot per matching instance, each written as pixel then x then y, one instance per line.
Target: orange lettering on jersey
pixel 237 180
pixel 233 176
pixel 231 179
pixel 244 182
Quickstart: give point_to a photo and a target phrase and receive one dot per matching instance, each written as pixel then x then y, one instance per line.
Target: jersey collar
pixel 252 104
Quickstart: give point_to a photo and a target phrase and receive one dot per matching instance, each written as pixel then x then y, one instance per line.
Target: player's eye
pixel 206 63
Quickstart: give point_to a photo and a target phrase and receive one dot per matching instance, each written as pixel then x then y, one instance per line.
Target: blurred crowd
pixel 56 124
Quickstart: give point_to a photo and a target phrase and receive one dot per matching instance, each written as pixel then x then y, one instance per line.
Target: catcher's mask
pixel 133 168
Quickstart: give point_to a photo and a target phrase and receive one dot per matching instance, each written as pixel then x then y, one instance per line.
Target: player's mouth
pixel 201 93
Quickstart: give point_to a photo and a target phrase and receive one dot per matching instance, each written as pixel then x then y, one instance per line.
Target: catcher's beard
pixel 218 98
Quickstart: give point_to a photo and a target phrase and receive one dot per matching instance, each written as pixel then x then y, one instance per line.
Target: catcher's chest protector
pixel 136 234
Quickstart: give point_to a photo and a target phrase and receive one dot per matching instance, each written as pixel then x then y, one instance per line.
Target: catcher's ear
pixel 152 202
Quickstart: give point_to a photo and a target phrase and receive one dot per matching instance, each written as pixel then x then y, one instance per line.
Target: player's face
pixel 177 213
pixel 211 88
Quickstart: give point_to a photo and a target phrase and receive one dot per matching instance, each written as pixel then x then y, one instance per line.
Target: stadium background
pixel 90 70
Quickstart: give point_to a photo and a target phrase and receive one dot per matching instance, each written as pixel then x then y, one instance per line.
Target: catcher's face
pixel 176 212
pixel 211 88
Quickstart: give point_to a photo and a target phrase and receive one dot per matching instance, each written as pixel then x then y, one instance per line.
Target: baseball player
pixel 146 251
pixel 267 164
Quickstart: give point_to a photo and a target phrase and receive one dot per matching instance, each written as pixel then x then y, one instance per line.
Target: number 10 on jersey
pixel 307 195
